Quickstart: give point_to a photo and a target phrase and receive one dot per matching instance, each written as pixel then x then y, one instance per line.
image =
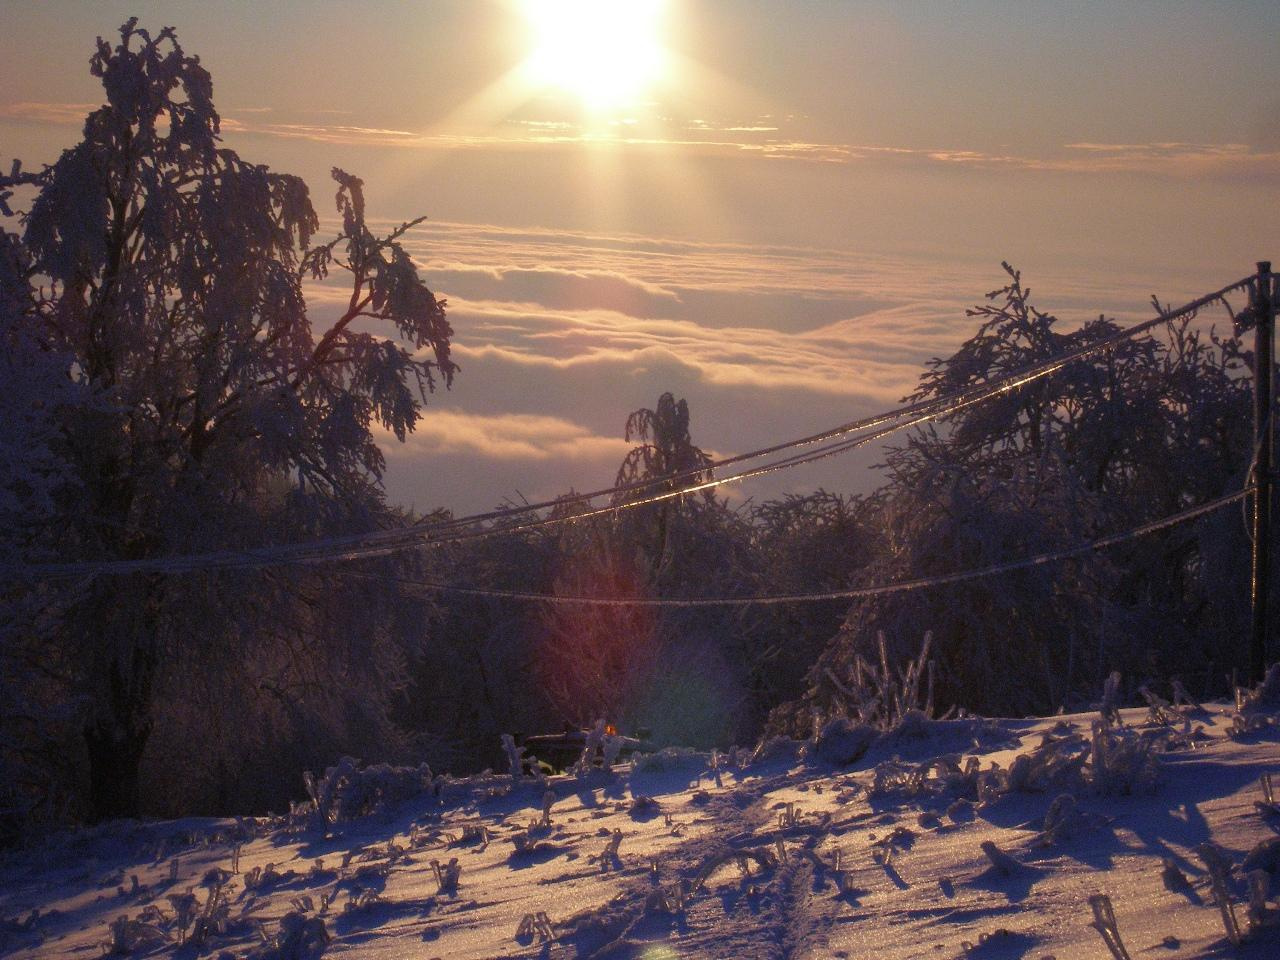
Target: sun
pixel 605 53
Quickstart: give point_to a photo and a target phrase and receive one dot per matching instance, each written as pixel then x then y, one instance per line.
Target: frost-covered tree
pixel 666 458
pixel 1133 434
pixel 169 272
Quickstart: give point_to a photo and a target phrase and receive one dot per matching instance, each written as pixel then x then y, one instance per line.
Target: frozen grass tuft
pixel 878 696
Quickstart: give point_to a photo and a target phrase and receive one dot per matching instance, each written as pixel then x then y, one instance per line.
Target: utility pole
pixel 1264 434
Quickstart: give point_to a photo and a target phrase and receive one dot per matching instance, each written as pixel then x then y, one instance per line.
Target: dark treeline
pixel 165 393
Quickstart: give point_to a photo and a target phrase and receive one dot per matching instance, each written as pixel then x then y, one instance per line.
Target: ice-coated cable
pixel 383 542
pixel 851 593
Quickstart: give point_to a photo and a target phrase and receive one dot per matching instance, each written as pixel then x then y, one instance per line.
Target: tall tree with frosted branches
pixel 168 272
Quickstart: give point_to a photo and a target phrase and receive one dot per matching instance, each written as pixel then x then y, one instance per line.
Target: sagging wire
pixel 851 593
pixel 381 543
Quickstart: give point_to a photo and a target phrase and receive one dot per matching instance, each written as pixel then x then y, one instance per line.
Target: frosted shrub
pixel 346 792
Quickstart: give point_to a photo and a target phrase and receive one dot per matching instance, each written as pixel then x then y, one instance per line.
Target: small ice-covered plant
pixel 594 742
pixel 535 925
pixel 1259 889
pixel 1001 862
pixel 1264 696
pixel 212 918
pixel 1160 710
pixel 447 874
pixel 323 791
pixel 362 900
pixel 789 816
pixel 609 855
pixel 878 696
pixel 184 908
pixel 1109 708
pixel 1267 805
pixel 261 878
pixel 1183 699
pixel 471 833
pixel 515 756
pixel 669 899
pixel 1061 820
pixel 610 750
pixel 1121 761
pixel 1104 921
pixel 129 935
pixel 299 938
pixel 884 849
pixel 741 857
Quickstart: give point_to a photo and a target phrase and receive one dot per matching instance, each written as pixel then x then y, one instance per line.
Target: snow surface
pixel 778 855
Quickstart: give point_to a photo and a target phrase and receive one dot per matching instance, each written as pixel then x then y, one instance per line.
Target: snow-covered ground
pixel 920 847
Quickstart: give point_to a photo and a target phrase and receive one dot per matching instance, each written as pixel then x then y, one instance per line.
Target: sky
pixel 775 210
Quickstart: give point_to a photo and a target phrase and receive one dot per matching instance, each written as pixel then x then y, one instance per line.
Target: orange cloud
pixel 702 137
pixel 507 436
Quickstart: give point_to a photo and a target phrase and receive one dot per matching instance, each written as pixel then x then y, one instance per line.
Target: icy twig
pixel 1219 869
pixel 1104 921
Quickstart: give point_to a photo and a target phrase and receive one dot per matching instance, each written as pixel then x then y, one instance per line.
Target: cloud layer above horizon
pixel 561 334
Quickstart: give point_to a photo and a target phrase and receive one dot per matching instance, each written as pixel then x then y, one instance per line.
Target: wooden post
pixel 1264 436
